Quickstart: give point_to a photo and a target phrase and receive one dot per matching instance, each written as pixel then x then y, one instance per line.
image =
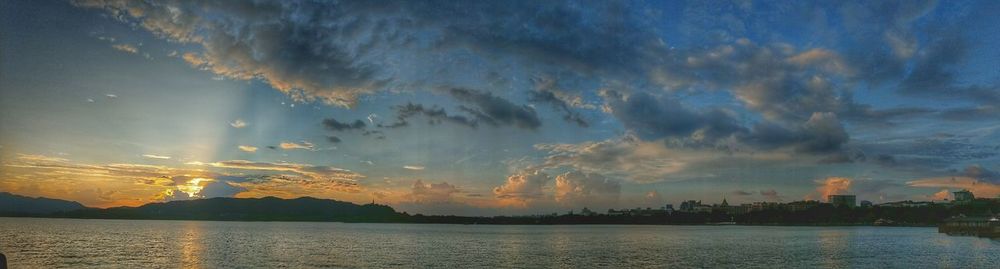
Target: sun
pixel 193 186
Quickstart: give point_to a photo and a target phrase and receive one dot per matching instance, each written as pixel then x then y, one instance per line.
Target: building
pixel 907 203
pixel 689 205
pixel 801 205
pixel 964 196
pixel 842 200
pixel 702 209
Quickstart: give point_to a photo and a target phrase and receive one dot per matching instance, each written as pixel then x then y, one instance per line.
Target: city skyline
pixel 499 108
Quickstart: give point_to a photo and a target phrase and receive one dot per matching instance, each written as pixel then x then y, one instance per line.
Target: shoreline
pixel 498 224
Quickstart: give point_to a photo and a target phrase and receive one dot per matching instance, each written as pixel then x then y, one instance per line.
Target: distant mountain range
pixel 313 209
pixel 247 209
pixel 17 205
pixel 237 209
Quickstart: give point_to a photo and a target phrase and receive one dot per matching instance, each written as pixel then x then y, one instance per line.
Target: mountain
pixel 247 209
pixel 17 205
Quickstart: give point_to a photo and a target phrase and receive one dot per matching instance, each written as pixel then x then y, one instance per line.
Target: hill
pixel 18 205
pixel 247 209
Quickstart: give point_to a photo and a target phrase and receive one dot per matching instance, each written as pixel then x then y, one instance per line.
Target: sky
pixel 499 107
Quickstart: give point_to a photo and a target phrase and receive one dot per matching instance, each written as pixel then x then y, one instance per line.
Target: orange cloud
pixel 292 145
pixel 944 194
pixel 832 186
pixel 977 187
pixel 521 189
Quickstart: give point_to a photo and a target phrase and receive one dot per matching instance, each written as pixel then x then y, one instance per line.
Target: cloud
pixel 248 148
pixel 413 167
pixel 238 123
pixel 934 74
pixel 144 183
pixel 770 195
pixel 653 118
pixel 822 133
pixel 337 126
pixel 982 174
pixel 111 96
pixel 129 48
pixel 432 192
pixel 435 115
pixel 741 193
pixel 626 157
pixel 942 195
pixel 928 152
pixel 522 188
pixel 586 189
pixel 286 186
pixel 148 183
pixel 293 145
pixel 568 114
pixel 153 156
pixel 832 186
pixel 494 110
pixel 310 171
pixel 976 186
pixel 864 188
pixel 546 92
pixel 309 56
pixel 351 48
pixel 334 125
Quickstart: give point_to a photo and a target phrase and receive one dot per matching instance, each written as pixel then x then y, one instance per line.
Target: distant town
pixel 963 197
pixel 841 209
pixel 959 215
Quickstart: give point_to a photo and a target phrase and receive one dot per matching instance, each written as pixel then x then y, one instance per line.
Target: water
pixel 157 244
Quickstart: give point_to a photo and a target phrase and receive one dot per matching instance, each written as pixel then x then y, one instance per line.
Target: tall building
pixel 963 196
pixel 689 205
pixel 842 200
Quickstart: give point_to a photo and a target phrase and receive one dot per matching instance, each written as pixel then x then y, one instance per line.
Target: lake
pixel 29 243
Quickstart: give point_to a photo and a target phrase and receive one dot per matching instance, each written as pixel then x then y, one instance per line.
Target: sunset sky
pixel 499 107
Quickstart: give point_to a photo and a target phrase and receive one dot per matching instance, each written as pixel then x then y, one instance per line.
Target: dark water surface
pixel 30 243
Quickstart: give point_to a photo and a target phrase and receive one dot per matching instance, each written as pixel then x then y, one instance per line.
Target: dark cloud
pixel 983 112
pixel 334 125
pixel 545 93
pixel 495 111
pixel 927 153
pixel 661 117
pixel 333 51
pixel 434 115
pixel 653 118
pixel 822 133
pixel 308 50
pixel 770 195
pixel 982 174
pixel 885 160
pixel 741 193
pixel 934 73
pixel 568 114
pixel 333 139
pixel 220 188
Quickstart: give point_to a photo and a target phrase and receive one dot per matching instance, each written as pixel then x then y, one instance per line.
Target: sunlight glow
pixel 193 186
